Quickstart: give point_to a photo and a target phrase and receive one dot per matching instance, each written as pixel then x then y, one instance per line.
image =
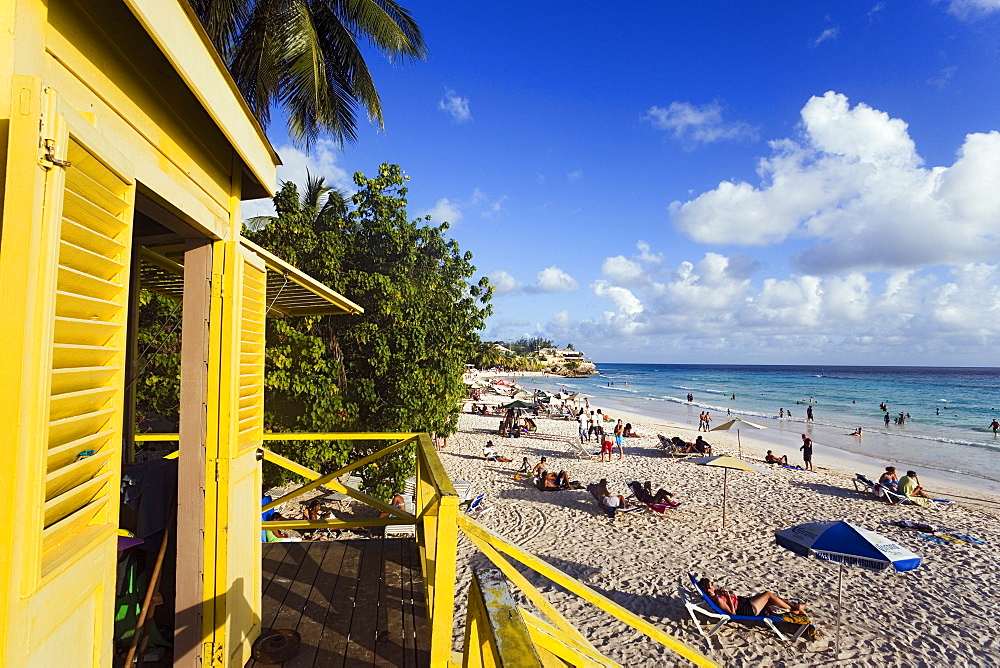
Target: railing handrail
pixel 480 534
pixel 438 521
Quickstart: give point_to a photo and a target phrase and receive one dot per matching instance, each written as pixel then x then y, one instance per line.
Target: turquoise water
pixel 950 408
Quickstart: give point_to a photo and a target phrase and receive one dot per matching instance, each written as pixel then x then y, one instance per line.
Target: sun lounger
pixel 583 452
pixel 395 530
pixel 610 512
pixel 671 450
pixel 707 607
pixel 353 482
pixel 477 507
pixel 863 483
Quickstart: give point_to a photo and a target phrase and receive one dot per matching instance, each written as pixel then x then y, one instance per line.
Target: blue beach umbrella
pixel 848 545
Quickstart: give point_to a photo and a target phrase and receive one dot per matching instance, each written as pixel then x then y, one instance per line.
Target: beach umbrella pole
pixel 738 443
pixel 725 481
pixel 840 604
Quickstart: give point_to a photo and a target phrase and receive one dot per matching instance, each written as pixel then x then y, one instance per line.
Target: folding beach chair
pixel 396 530
pixel 611 512
pixel 583 452
pixel 477 507
pixel 707 607
pixel 863 483
pixel 671 450
pixel 353 482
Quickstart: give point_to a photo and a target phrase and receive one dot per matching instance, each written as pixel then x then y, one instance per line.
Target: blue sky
pixel 714 182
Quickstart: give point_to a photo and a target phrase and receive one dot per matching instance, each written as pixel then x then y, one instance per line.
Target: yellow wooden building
pixel 125 152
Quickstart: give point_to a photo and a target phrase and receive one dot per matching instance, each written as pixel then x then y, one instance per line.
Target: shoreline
pixel 784 436
pixel 639 559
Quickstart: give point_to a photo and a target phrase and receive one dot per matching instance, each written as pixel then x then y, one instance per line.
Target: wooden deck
pixel 354 602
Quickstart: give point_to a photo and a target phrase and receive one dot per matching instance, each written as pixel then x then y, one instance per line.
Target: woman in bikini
pixel 747 606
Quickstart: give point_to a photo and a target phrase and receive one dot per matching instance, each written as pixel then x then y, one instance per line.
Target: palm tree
pixel 318 202
pixel 304 55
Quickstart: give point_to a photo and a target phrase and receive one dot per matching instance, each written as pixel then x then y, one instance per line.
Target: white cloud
pixel 825 36
pixel 703 124
pixel 443 210
pixel 502 282
pixel 456 106
pixel 575 175
pixel 553 279
pixel 628 307
pixel 943 78
pixel 321 161
pixel 968 10
pixel 710 306
pixel 854 184
pixel 620 269
pixel 646 255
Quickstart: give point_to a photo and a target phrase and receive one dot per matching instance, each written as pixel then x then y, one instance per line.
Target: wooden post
pixel 192 436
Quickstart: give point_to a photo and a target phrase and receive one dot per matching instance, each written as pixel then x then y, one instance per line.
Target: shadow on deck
pixel 354 602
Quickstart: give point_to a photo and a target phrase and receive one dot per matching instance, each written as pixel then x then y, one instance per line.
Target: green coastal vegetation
pixel 396 367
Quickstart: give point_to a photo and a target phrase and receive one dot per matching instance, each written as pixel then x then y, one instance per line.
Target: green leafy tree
pixel 305 56
pixel 158 364
pixel 397 367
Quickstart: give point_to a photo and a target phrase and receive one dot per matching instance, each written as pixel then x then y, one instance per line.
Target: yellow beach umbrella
pixel 725 462
pixel 736 422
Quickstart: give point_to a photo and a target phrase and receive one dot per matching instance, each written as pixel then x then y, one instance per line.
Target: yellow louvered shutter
pixel 88 350
pixel 251 376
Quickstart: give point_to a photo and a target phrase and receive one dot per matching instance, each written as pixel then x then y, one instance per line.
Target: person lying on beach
pixel 856 432
pixel 644 494
pixel 614 502
pixel 772 458
pixel 550 482
pixel 682 445
pixel 491 455
pixel 747 606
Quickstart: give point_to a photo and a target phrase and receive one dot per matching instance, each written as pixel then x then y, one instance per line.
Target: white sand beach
pixel 943 613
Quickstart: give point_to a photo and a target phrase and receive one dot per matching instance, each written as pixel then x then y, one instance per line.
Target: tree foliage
pixel 158 364
pixel 305 56
pixel 398 366
pixel 526 345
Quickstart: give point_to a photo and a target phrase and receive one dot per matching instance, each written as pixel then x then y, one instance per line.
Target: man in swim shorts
pixel 807 452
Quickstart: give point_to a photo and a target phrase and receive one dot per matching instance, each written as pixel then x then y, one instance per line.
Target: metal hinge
pixel 213 654
pixel 50 155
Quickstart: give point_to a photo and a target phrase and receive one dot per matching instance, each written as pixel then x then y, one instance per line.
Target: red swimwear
pixel 606 447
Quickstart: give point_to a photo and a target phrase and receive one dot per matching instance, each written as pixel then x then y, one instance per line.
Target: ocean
pixel 947 431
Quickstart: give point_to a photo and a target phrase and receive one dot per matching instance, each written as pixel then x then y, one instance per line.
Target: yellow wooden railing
pixel 437 522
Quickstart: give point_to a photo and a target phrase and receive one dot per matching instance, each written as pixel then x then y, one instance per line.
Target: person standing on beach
pixel 619 438
pixel 781 413
pixel 995 426
pixel 809 412
pixel 886 419
pixel 708 419
pixel 807 452
pixel 583 422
